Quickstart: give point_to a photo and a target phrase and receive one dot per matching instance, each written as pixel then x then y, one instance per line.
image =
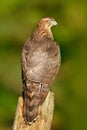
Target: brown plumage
pixel 40 64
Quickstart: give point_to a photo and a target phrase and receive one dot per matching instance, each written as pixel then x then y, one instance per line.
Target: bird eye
pixel 49 21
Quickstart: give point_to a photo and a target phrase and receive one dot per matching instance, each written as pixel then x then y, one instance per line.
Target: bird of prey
pixel 40 64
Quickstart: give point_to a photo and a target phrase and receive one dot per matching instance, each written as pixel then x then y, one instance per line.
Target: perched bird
pixel 40 64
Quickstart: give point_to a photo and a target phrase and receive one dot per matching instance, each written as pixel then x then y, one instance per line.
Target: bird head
pixel 47 22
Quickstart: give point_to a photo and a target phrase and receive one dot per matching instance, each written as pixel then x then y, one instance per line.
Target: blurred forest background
pixel 18 19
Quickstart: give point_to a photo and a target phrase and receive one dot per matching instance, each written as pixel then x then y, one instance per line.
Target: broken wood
pixel 45 115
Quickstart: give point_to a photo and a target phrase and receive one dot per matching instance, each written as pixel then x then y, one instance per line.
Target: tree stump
pixel 45 115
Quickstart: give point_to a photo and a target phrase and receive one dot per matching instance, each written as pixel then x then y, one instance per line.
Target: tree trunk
pixel 45 115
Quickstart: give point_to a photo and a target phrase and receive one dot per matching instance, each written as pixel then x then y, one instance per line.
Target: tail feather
pixel 31 102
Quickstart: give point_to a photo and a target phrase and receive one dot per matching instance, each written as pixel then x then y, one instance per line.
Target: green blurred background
pixel 18 19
